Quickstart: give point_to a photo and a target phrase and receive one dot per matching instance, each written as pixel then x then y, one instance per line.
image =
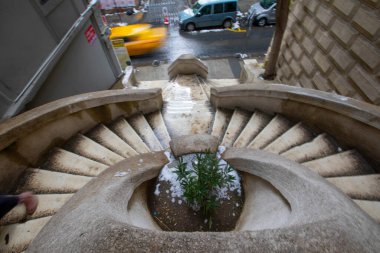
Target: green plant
pixel 201 182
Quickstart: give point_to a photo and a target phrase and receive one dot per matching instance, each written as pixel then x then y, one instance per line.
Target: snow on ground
pixel 176 191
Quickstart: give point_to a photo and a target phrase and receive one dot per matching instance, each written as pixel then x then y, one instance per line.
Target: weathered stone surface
pixel 193 144
pixel 98 218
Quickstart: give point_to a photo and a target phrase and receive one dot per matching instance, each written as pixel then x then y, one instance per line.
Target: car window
pixel 196 7
pixel 218 8
pixel 230 7
pixel 206 10
pixel 267 3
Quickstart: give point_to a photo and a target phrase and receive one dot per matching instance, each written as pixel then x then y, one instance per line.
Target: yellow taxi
pixel 139 39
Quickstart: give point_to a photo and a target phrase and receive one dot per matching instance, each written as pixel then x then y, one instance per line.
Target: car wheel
pixel 190 27
pixel 227 23
pixel 262 22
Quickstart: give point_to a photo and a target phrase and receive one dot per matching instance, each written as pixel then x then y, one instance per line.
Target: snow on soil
pixel 176 191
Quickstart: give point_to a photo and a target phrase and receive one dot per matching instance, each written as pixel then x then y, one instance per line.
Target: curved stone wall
pixel 333 46
pixel 25 138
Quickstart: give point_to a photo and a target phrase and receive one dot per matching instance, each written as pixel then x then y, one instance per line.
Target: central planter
pixel 172 211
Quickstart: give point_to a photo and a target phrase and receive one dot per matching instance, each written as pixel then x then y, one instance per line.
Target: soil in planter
pixel 174 214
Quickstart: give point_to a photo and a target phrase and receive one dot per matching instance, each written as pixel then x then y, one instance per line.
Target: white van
pixel 205 13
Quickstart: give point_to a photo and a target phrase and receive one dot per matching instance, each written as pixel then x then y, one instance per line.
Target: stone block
pixel 311 5
pixel 306 82
pixel 309 24
pixel 341 84
pixel 295 67
pixel 195 143
pixel 286 72
pixel 367 84
pixel 367 53
pixel 367 21
pixel 324 15
pixel 345 6
pixel 307 65
pixel 343 32
pixel 298 32
pixel 341 58
pixel 321 82
pixel 287 55
pixel 322 61
pixel 324 40
pixel 308 45
pixel 187 64
pixel 296 50
pixel 299 12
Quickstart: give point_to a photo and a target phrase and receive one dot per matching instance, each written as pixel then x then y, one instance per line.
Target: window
pixel 267 3
pixel 218 8
pixel 230 7
pixel 206 10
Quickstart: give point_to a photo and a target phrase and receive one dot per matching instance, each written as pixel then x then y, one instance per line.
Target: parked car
pixel 263 12
pixel 139 39
pixel 206 13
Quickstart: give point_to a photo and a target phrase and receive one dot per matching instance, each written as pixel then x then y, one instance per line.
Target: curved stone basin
pixel 102 217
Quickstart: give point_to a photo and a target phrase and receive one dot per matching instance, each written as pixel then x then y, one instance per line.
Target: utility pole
pixel 282 12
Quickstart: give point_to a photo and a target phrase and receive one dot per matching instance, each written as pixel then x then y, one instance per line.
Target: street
pixel 209 43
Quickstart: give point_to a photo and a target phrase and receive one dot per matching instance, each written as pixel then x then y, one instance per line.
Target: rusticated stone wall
pixel 334 46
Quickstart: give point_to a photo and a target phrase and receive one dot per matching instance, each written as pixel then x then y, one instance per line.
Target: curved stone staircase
pixel 64 169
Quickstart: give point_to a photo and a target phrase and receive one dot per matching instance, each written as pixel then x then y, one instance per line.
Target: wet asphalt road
pixel 221 43
pixel 205 44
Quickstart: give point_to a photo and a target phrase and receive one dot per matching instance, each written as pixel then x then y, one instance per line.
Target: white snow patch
pixel 157 191
pixel 207 31
pixel 120 174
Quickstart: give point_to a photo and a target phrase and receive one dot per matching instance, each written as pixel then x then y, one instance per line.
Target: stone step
pixel 158 126
pixel 201 118
pixel 142 128
pixel 64 161
pixel 44 181
pixel 348 163
pixel 372 208
pixel 17 237
pixel 187 117
pixel 220 124
pixel 126 132
pixel 276 127
pixel 84 146
pixel 236 125
pixel 48 205
pixel 295 136
pixel 255 125
pixel 105 137
pixel 366 187
pixel 319 147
